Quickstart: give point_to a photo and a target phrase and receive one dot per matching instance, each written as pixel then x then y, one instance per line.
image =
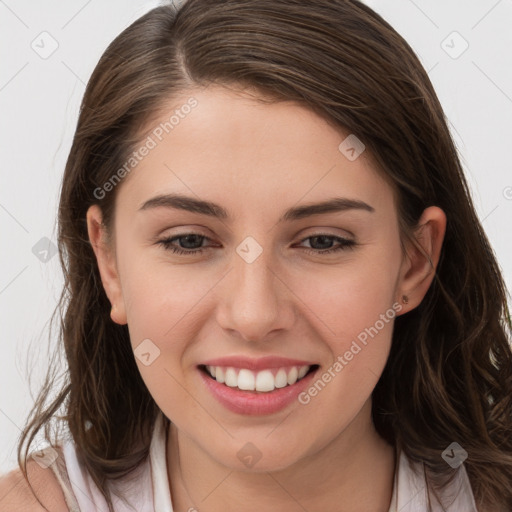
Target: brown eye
pixel 321 243
pixel 190 243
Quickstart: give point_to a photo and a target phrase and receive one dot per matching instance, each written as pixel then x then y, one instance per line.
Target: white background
pixel 39 101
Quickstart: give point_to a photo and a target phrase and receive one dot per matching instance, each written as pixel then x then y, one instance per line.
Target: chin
pixel 260 456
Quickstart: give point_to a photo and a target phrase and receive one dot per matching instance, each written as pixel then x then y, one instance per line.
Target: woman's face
pixel 255 283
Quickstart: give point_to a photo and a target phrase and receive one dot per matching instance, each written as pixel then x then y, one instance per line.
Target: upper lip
pixel 261 363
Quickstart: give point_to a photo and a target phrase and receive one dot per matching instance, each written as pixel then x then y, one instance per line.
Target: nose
pixel 255 303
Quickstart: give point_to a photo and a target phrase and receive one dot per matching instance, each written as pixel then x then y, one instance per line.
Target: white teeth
pixel 293 375
pixel 302 371
pixel 246 380
pixel 231 378
pixel 263 381
pixel 281 379
pixel 218 373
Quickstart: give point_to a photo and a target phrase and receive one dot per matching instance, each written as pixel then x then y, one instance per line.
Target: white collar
pixel 157 457
pixel 409 489
pixel 410 493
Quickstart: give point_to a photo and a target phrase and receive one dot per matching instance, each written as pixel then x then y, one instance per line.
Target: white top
pixel 147 490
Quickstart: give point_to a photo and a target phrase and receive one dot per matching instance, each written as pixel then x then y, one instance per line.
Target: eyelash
pixel 345 243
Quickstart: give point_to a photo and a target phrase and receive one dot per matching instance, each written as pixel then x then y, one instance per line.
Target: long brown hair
pixel 449 373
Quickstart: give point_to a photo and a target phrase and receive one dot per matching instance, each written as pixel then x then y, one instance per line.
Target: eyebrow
pixel 190 204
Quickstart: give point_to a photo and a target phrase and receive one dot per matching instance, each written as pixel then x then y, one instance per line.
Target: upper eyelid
pixel 321 231
pixel 302 239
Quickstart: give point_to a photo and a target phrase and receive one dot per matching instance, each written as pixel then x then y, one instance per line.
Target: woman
pixel 278 294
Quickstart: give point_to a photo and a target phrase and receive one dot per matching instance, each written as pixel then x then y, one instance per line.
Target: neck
pixel 352 473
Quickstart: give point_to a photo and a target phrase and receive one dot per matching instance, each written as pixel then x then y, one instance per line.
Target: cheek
pixel 161 297
pixel 354 311
pixel 165 312
pixel 360 315
pixel 350 297
pixel 161 322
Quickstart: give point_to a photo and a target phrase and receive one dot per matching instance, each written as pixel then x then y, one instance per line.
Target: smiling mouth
pixel 264 381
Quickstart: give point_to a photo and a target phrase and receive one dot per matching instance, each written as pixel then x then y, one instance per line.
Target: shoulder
pixel 17 496
pixel 415 489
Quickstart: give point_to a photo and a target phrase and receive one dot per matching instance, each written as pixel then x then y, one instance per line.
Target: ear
pixel 107 265
pixel 422 256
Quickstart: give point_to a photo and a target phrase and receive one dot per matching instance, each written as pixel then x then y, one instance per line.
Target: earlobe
pixel 422 257
pixel 105 258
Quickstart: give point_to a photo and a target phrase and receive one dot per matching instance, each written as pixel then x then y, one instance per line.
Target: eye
pixel 191 243
pixel 325 239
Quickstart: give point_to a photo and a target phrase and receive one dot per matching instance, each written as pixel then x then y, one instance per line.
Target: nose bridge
pixel 254 304
pixel 255 280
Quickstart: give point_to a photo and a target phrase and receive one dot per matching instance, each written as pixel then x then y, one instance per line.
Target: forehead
pixel 221 144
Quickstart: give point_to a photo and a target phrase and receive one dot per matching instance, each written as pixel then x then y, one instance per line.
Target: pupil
pixel 326 239
pixel 187 241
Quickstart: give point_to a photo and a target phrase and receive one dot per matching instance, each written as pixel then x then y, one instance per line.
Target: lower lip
pixel 254 404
